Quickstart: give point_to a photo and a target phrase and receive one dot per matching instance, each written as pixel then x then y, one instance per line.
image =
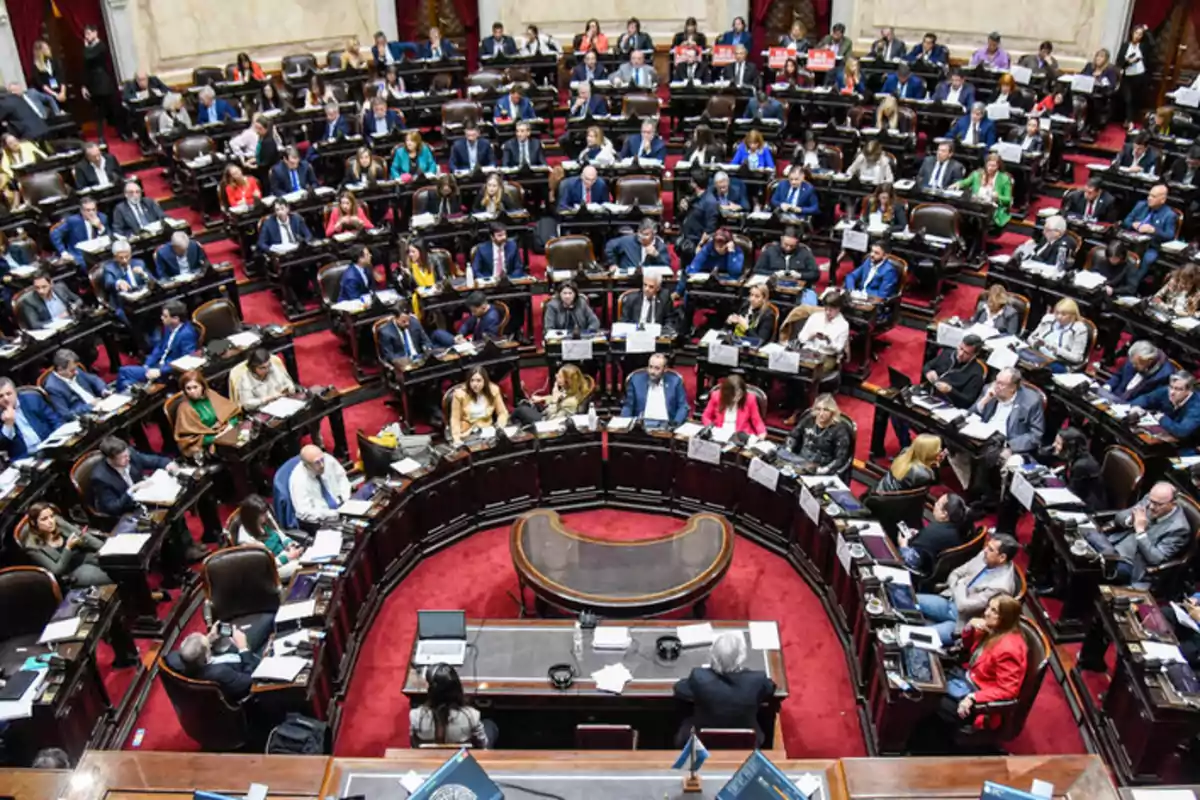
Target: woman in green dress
pixel 202 416
pixel 257 525
pixel 991 183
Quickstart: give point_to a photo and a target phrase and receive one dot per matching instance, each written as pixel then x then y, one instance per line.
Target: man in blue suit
pixel 589 69
pixel 642 249
pixel 402 337
pixel 648 145
pixel 523 149
pixel 87 224
pixel 291 174
pixel 498 44
pixel 385 53
pixel 763 106
pixel 212 108
pixel 180 256
pixel 177 339
pixel 514 106
pixel 719 256
pixel 332 129
pixel 232 671
pixel 72 389
pixel 483 321
pixel 497 256
pixel 955 90
pixel 656 397
pixel 875 275
pixel 472 151
pixel 903 84
pixel 586 103
pixel 359 278
pixel 25 421
pixel 1137 155
pixel 123 273
pixel 1154 218
pixel 380 120
pixel 722 193
pixel 588 185
pixel 929 52
pixel 1177 404
pixel 437 47
pixel 794 194
pixel 282 227
pixel 1146 361
pixel 974 128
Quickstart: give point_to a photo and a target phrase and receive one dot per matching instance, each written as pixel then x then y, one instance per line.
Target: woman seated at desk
pixel 755 321
pixel 1062 334
pixel 916 467
pixel 753 151
pixel 175 118
pixel 418 271
pixel 568 397
pixel 412 158
pixel 1117 266
pixel 791 76
pixel 821 443
pixel 202 416
pixel 1007 94
pixel 1102 70
pixel 921 549
pixel 796 39
pixel 352 57
pixel 449 201
pixel 349 216
pixel 476 403
pixel 849 80
pixel 364 167
pixel 995 310
pixel 247 69
pixel 1031 138
pixel 1180 295
pixel 18 153
pixel 731 406
pixel 1161 122
pixel 598 151
pixel 1080 470
pixel 591 39
pixel 567 311
pixel 391 88
pixel 703 149
pixel 537 43
pixel 492 199
pixel 257 525
pixel 881 209
pixel 887 116
pixel 810 155
pixel 991 184
pixel 239 189
pixel 871 165
pixel 273 97
pixel 61 547
pixel 995 670
pixel 445 717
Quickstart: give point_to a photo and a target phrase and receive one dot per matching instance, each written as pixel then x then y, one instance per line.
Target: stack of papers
pixel 611 637
pixel 612 678
pixel 283 407
pixel 1071 379
pixel 188 362
pixel 1059 497
pixel 113 403
pixel 61 435
pixel 279 668
pixel 977 429
pixel 897 575
pixel 124 544
pixel 326 546
pixel 764 636
pixel 355 508
pixel 696 635
pixel 245 339
pixel 1160 651
pixel 293 611
pixel 160 489
pixel 406 466
pixel 61 630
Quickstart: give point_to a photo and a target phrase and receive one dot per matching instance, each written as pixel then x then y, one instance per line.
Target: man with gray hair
pixel 641 249
pixel 72 390
pixel 123 274
pixel 1177 406
pixel 179 257
pixel 212 109
pixel 724 694
pixel 136 211
pixel 1017 419
pixel 974 128
pixel 1146 369
pixel 1054 249
pixel 99 169
pixel 231 669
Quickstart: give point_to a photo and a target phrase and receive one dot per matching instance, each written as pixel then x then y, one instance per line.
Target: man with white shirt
pixel 136 211
pixel 317 486
pixel 25 422
pixel 635 72
pixel 655 396
pixel 523 150
pixel 741 72
pixel 71 389
pixel 955 89
pixel 827 332
pixel 1016 415
pixel 97 170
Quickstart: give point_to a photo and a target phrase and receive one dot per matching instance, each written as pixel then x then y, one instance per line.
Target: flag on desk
pixel 693 755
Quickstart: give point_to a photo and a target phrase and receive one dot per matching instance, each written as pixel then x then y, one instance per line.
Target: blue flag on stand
pixel 692 756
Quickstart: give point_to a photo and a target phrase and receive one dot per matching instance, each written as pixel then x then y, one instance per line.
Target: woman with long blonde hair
pixel 916 466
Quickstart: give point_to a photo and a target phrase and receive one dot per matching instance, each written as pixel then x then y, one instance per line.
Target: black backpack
pixel 299 735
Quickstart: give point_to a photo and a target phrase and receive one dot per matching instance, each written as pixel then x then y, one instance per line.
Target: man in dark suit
pixel 1148 364
pixel 498 44
pixel 724 694
pixel 180 256
pixel 136 211
pixel 282 227
pixel 647 145
pixel 589 69
pixel 483 321
pixel 359 278
pixel 86 225
pixel 1154 218
pixel 43 104
pixel 929 52
pixel 763 106
pixel 656 397
pixel 381 120
pixel 25 421
pixel 385 53
pixel 1186 170
pixel 723 193
pixel 291 174
pixel 513 106
pixel 20 118
pixel 472 151
pixel 123 273
pixel 903 84
pixel 402 337
pixel 589 185
pixel 941 170
pixel 974 128
pixel 333 128
pixel 143 87
pixel 212 109
pixel 523 149
pixel 650 305
pixel 436 48
pixel 497 256
pixel 72 389
pixel 795 195
pixel 232 670
pixel 1021 432
pixel 46 303
pixel 789 255
pixel 876 275
pixel 97 168
pixel 887 46
pixel 586 103
pixel 741 72
pixel 691 69
pixel 178 338
pixel 1138 155
pixel 1177 405
pixel 644 248
pixel 1091 203
pixel 955 90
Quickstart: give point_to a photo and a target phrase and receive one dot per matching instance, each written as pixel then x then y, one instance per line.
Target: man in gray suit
pixel 972 586
pixel 940 171
pixel 47 303
pixel 1017 415
pixel 136 211
pixel 636 72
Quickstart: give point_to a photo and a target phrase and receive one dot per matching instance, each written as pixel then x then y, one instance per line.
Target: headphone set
pixel 562 676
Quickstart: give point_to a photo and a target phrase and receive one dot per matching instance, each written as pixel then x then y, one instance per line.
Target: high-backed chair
pixel 376 458
pixel 298 64
pixel 643 191
pixel 36 593
pixel 605 737
pixel 81 479
pixel 329 281
pixel 460 112
pixel 488 79
pixel 333 59
pixel 729 738
pixel 1013 713
pixel 216 319
pixel 206 76
pixel 1022 304
pixel 569 252
pixel 721 106
pixel 640 104
pixel 1122 472
pixel 191 147
pixel 892 508
pixel 937 219
pixel 955 557
pixel 241 584
pixel 203 712
pixel 43 187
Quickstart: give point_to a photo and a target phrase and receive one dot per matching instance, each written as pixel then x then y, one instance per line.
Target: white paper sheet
pixel 640 342
pixel 160 489
pixel 764 636
pixel 611 637
pixel 688 429
pixel 723 354
pixel 786 361
pixel 58 631
pixel 293 611
pixel 113 402
pixel 283 407
pixel 897 575
pixel 949 335
pixel 124 544
pixel 1059 496
pixel 279 668
pixel 703 450
pixel 355 508
pixel 406 466
pixel 326 545
pixel 244 339
pixel 1021 489
pixel 977 429
pixel 185 363
pixel 696 635
pixel 905 632
pixel 1160 651
pixel 763 473
pixel 577 350
pixel 809 505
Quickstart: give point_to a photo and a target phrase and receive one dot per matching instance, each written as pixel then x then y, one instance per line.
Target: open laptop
pixel 899 379
pixel 441 638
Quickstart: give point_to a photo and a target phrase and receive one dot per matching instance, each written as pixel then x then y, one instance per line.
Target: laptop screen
pixel 442 625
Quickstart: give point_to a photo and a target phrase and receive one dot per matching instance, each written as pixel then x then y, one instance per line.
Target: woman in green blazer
pixel 413 158
pixel 58 545
pixel 991 182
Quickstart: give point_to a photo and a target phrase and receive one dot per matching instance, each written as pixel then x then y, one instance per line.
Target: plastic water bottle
pixel 470 277
pixel 577 642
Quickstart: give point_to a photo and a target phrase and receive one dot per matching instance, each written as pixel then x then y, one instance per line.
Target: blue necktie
pixel 329 501
pixel 295 182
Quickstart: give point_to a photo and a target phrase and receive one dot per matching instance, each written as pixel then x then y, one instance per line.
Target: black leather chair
pixel 81 479
pixel 298 64
pixel 569 252
pixel 203 712
pixel 43 187
pixel 206 76
pixel 954 558
pixel 241 584
pixel 640 104
pixel 1013 713
pixel 456 113
pixel 1122 472
pixel 643 191
pixel 216 319
pixel 329 281
pixel 892 508
pixel 35 592
pixel 605 737
pixel 376 458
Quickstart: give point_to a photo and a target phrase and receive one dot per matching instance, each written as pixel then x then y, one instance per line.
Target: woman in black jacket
pixel 570 312
pixel 47 75
pixel 1133 59
pixel 920 549
pixel 1070 454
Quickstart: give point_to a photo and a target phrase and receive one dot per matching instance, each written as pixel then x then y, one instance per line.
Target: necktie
pixel 937 175
pixel 1091 210
pixel 329 499
pixel 499 258
pixel 285 231
pixel 295 181
pixel 974 133
pixel 740 72
pixel 524 152
pixel 167 350
pixel 792 196
pixel 137 214
pixel 408 347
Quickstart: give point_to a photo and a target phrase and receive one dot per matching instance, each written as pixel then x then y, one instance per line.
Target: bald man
pixel 317 486
pixel 1154 218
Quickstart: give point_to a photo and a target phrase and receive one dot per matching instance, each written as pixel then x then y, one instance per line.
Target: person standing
pixel 99 88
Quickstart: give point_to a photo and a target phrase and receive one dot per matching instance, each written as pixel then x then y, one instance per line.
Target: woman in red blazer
pixel 997 663
pixel 733 405
pixel 348 216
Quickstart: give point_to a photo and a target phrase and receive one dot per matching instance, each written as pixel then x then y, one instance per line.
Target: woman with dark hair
pixel 703 148
pixel 591 39
pixel 690 34
pixel 882 209
pixel 995 670
pixel 238 188
pixel 569 312
pixel 733 407
pixel 790 76
pixel 737 34
pixel 61 547
pixel 202 416
pixel 246 68
pixel 417 272
pixel 257 525
pixel 1080 471
pixel 476 403
pixel 920 549
pixel 364 168
pixel 445 717
pixel 273 97
pixel 449 201
pixel 1133 59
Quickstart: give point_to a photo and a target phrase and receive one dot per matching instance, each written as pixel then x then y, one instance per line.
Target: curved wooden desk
pixel 646 577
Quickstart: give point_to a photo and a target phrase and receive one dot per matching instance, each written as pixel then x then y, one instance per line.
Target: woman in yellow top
pixel 17 152
pixel 418 272
pixel 991 183
pixel 352 55
pixel 202 416
pixel 477 403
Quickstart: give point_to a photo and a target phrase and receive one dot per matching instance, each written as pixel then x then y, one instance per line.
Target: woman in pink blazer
pixel 348 217
pixel 732 406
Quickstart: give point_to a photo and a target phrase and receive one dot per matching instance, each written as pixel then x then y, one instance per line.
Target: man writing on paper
pixel 72 389
pixel 317 486
pixel 971 586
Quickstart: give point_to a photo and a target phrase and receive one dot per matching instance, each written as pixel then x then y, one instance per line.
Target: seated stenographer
pixel 724 694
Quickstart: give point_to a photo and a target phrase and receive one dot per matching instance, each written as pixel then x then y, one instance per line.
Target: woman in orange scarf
pixel 202 415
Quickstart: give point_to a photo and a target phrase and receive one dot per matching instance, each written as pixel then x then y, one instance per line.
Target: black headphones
pixel 669 647
pixel 562 676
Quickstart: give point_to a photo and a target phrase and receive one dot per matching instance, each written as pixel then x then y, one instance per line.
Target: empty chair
pixel 607 737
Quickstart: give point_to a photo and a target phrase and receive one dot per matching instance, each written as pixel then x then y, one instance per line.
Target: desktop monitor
pixel 758 779
pixel 460 778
